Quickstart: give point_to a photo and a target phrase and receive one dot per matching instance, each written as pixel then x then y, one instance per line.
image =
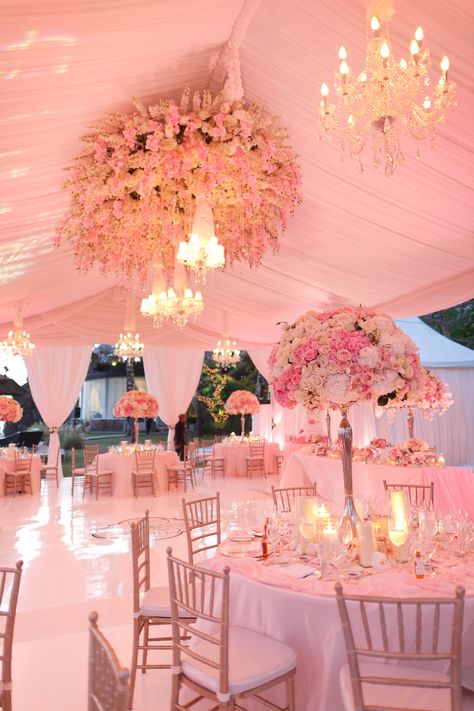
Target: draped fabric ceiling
pixel 403 243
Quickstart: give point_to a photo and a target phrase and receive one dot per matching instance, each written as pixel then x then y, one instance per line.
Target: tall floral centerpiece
pixel 136 403
pixel 10 410
pixel 339 357
pixel 242 402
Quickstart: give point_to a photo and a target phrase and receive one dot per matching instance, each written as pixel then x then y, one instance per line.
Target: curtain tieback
pixel 52 430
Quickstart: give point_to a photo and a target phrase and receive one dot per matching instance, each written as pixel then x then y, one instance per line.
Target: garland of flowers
pixel 339 357
pixel 215 403
pixel 136 403
pixel 134 188
pixel 10 410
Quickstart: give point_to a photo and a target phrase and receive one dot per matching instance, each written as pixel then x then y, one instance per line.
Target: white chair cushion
pixel 156 603
pixel 254 660
pixel 403 697
pixel 79 471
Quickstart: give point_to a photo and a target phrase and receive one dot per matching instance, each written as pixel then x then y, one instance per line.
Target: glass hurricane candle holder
pixel 400 546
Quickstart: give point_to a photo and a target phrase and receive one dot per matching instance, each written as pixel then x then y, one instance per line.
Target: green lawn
pixel 105 440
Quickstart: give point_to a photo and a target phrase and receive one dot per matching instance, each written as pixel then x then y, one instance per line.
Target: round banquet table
pixel 7 465
pixel 453 486
pixel 303 614
pixel 235 455
pixel 122 465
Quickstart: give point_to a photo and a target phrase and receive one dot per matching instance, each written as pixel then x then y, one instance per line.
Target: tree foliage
pixel 456 323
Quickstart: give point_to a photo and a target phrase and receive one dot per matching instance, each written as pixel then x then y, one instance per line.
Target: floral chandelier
pixel 177 304
pixel 18 342
pixel 226 352
pixel 136 188
pixel 203 252
pixel 386 101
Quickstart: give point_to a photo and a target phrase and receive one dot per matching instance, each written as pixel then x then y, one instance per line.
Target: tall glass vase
pixel 345 438
pixel 328 427
pixel 135 430
pixel 242 426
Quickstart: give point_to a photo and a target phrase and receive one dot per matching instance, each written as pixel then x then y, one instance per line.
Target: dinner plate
pixel 240 537
pixel 242 549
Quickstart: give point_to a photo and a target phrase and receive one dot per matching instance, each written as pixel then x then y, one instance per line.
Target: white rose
pixel 369 356
pixel 337 387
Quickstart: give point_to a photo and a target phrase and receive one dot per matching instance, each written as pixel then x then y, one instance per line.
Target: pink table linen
pixel 235 455
pixel 7 465
pixel 454 486
pixel 303 614
pixel 122 466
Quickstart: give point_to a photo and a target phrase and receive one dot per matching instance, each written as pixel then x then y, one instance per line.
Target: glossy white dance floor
pixel 68 572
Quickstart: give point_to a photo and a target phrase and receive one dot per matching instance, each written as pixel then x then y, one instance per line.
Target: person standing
pixel 180 436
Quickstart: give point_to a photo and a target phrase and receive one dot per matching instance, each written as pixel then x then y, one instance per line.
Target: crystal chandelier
pixel 388 100
pixel 129 347
pixel 18 342
pixel 226 353
pixel 203 252
pixel 178 304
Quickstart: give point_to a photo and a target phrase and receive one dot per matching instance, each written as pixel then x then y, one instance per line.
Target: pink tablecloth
pixel 303 614
pixel 122 465
pixel 7 465
pixel 236 454
pixel 454 486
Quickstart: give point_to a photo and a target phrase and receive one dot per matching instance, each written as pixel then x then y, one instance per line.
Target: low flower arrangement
pixel 136 404
pixel 415 452
pixel 242 402
pixel 134 188
pixel 379 443
pixel 10 410
pixel 364 454
pixel 338 357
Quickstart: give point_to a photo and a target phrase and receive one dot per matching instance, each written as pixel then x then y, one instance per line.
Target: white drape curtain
pixel 172 375
pixel 260 358
pixel 56 375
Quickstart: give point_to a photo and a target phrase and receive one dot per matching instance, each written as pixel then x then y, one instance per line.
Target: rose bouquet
pixel 379 443
pixel 364 454
pixel 10 410
pixel 136 403
pixel 242 402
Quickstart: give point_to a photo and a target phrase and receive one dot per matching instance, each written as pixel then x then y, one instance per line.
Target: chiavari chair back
pixel 10 579
pixel 417 494
pixel 19 480
pixel 256 461
pixel 108 681
pixel 143 476
pixel 202 523
pixel 283 498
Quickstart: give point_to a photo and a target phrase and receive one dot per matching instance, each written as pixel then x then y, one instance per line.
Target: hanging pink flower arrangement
pixel 339 357
pixel 133 190
pixel 136 403
pixel 10 410
pixel 242 402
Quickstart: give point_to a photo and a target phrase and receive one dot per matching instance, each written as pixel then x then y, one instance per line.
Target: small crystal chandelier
pixel 18 342
pixel 387 100
pixel 178 304
pixel 226 353
pixel 203 252
pixel 129 347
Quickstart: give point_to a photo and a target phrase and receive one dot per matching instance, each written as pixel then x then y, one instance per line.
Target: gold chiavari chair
pixel 228 663
pixel 417 494
pixel 182 472
pixel 202 523
pixel 19 480
pixel 108 681
pixel 95 479
pixel 143 476
pixel 256 461
pixel 77 473
pixel 51 471
pixel 10 579
pixel 151 606
pixel 217 464
pixel 283 498
pixel 411 632
pixel 278 463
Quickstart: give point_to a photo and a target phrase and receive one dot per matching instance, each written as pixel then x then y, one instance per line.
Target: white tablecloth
pixel 236 454
pixel 454 486
pixel 7 465
pixel 304 615
pixel 122 465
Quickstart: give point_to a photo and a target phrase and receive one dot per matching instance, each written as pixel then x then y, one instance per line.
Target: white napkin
pixel 297 570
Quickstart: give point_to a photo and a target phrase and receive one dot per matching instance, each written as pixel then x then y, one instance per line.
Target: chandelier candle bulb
pixel 375 26
pixel 414 49
pixel 419 35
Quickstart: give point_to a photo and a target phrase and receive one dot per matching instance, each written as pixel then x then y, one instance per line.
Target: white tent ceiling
pixel 436 351
pixel 404 243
